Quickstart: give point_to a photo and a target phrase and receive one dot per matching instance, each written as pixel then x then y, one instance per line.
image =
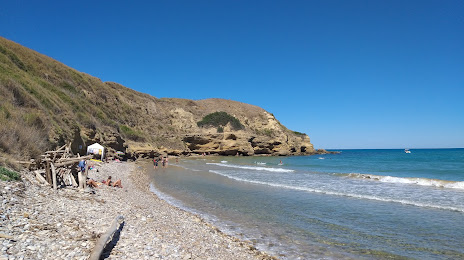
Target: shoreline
pixel 141 180
pixel 38 222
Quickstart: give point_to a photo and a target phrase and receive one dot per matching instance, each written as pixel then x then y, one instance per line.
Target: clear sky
pixel 349 73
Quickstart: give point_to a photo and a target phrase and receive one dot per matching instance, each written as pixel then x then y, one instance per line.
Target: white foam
pixel 416 181
pixel 165 197
pixel 358 196
pixel 186 168
pixel 269 169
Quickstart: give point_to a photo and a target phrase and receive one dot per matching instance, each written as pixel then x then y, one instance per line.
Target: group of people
pixel 108 182
pixel 93 183
pixel 164 162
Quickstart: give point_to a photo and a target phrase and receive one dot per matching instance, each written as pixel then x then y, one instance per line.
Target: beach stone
pixel 66 223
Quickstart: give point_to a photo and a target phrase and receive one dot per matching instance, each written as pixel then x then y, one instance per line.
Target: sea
pixel 357 204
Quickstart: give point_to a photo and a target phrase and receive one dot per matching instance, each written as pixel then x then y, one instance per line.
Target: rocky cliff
pixel 44 103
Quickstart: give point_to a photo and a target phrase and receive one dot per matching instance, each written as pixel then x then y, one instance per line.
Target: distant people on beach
pixel 117 183
pixel 155 163
pixel 92 183
pixel 163 162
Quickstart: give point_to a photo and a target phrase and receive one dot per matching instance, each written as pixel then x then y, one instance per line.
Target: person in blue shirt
pixel 82 165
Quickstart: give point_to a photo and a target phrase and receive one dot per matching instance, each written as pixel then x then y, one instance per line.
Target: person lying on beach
pixel 114 184
pixel 93 183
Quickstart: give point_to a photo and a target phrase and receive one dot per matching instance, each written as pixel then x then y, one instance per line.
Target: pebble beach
pixel 37 222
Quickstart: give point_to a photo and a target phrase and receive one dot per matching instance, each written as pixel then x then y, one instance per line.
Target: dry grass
pixel 43 101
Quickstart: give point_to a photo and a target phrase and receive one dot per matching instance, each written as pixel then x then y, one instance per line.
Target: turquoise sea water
pixel 359 204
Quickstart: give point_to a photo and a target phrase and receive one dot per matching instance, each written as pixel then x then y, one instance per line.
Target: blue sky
pixel 350 74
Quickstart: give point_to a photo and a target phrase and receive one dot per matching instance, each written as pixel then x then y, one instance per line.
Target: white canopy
pixel 96 148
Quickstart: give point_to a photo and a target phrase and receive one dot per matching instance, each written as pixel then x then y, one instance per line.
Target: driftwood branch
pixel 74 183
pixel 52 167
pixel 39 177
pixel 73 160
pixel 103 240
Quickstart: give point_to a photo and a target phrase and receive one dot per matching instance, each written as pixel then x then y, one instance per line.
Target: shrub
pixel 220 119
pixel 265 131
pixel 8 175
pixel 22 141
pixel 268 132
pixel 131 133
pixel 298 133
pixel 33 119
pixel 220 129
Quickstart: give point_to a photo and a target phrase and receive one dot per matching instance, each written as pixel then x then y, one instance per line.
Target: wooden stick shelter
pixel 60 166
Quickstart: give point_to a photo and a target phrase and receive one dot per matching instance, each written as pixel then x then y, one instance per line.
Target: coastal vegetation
pixel 220 119
pixel 45 104
pixel 265 131
pixel 298 133
pixel 8 175
pixel 131 133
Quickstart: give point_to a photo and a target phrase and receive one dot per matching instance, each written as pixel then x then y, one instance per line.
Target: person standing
pixel 155 163
pixel 82 165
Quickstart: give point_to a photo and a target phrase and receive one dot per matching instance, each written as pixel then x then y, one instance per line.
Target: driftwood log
pixel 103 240
pixel 39 176
pixel 73 160
pixel 52 167
pixel 56 168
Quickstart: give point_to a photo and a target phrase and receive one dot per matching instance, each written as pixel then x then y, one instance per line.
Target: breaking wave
pixel 415 181
pixel 269 169
pixel 353 195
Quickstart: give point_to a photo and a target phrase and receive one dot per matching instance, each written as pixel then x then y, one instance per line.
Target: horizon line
pixel 393 148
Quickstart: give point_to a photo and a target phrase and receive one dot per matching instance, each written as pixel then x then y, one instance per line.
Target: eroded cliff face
pixel 263 136
pixel 176 132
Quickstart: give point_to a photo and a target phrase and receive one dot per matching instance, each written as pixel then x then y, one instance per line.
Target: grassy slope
pixel 43 103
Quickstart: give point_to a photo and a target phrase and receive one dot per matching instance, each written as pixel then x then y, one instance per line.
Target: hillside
pixel 44 104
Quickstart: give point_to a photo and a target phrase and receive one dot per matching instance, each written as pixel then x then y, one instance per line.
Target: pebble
pixel 66 223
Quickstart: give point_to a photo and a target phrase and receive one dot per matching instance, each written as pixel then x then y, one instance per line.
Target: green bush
pixel 268 132
pixel 220 119
pixel 8 175
pixel 220 129
pixel 298 133
pixel 265 131
pixel 131 133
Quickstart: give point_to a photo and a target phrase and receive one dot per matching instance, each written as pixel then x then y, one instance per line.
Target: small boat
pixel 407 151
